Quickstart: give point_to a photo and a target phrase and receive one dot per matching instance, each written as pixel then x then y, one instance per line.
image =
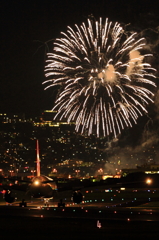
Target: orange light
pixel 148 181
pixel 36 182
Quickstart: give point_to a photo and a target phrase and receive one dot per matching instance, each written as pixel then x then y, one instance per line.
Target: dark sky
pixel 26 30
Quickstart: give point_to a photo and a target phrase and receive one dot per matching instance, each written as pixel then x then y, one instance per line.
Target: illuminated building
pixel 147 169
pixel 47 118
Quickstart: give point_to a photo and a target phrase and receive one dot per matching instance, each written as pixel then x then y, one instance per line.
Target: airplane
pixel 41 186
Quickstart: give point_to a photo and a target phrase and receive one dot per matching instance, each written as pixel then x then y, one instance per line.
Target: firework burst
pixel 104 80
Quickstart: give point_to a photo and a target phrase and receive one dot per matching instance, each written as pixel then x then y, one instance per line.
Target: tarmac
pixel 88 220
pixel 26 223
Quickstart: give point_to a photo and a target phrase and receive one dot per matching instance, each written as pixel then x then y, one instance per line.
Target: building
pixel 146 168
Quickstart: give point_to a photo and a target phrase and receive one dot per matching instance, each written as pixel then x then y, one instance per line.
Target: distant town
pixel 63 152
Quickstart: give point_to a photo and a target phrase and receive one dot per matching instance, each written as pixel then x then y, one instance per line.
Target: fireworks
pixel 104 80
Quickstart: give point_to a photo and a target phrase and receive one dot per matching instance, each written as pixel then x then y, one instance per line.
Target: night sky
pixel 27 31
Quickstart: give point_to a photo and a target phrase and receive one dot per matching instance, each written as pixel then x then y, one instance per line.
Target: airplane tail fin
pixel 37 159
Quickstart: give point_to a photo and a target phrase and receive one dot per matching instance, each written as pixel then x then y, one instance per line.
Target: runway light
pixel 128 219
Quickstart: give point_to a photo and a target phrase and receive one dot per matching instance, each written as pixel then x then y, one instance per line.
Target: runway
pixel 76 223
pixel 84 221
pixel 95 211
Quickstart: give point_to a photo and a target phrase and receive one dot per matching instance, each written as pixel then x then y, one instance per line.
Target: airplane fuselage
pixel 42 186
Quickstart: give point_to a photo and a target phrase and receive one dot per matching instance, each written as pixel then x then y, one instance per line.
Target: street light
pixel 77 172
pixel 33 171
pixel 100 171
pixel 11 172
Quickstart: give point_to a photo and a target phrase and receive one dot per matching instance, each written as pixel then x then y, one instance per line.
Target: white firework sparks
pixel 105 81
